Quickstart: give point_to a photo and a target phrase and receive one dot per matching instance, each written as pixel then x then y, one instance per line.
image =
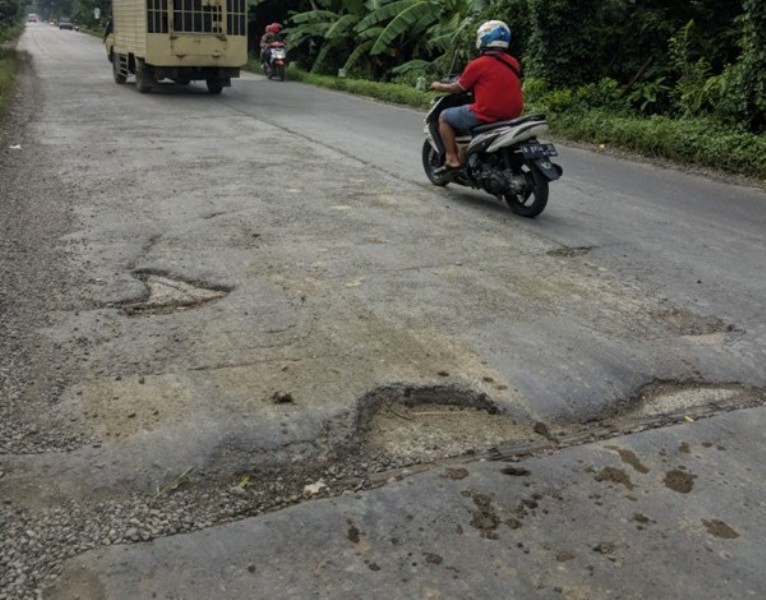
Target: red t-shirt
pixel 496 89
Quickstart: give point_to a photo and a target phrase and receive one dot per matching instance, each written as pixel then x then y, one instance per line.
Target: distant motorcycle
pixel 504 159
pixel 276 62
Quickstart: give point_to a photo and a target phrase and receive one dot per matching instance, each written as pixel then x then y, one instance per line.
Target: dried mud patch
pixel 719 529
pixel 679 481
pixel 614 475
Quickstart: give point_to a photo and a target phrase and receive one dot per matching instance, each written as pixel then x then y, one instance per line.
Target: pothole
pixel 688 324
pixel 167 294
pixel 570 251
pixel 669 398
pixel 426 424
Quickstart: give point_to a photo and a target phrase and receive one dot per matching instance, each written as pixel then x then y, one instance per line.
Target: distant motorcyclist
pixel 495 80
pixel 270 36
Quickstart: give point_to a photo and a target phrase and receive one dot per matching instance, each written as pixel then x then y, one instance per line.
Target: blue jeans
pixel 462 119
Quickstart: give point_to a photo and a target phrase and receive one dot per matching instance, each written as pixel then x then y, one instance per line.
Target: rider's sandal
pixel 446 171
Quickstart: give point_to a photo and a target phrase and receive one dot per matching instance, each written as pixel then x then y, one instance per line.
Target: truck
pixel 180 40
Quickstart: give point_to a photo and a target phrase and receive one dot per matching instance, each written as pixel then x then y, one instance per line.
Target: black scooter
pixel 504 159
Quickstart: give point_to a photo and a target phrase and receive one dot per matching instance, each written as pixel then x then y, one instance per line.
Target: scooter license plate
pixel 538 151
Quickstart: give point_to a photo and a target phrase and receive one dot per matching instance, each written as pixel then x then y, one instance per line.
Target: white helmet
pixel 493 34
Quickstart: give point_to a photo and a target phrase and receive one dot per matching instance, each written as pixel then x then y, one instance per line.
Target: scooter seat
pixel 511 123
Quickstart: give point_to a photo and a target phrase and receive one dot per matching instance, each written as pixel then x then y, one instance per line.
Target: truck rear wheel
pixel 214 85
pixel 144 77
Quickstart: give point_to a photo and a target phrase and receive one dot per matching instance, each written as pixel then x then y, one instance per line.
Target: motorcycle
pixel 504 159
pixel 276 63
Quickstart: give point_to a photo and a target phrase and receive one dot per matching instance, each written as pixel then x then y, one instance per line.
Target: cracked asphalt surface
pixel 211 302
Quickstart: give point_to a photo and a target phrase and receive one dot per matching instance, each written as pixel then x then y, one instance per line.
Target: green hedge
pixel 702 142
pixel 10 33
pixel 386 92
pixel 7 72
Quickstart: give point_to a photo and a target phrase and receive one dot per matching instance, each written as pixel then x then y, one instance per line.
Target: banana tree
pixel 332 23
pixel 428 28
pixel 352 30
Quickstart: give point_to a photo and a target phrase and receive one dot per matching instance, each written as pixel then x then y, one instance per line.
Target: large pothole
pixel 426 424
pixel 167 294
pixel 667 398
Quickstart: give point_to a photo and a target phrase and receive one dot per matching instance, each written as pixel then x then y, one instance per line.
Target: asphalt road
pixel 263 287
pixel 683 227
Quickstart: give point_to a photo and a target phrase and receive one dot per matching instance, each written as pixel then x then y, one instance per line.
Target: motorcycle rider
pixel 495 80
pixel 270 36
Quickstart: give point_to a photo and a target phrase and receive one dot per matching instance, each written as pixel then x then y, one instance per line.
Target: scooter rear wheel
pixel 431 162
pixel 533 200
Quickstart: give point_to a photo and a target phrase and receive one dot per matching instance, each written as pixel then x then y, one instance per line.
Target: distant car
pixel 32 18
pixel 65 23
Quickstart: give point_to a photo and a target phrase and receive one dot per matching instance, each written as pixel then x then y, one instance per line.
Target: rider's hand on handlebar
pixel 447 88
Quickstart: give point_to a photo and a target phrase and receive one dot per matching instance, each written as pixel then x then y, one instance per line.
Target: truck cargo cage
pixel 157 16
pixel 236 16
pixel 197 16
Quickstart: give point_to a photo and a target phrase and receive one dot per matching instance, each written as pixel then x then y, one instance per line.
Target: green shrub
pixel 7 73
pixel 701 141
pixel 10 33
pixel 607 93
pixel 689 94
pixel 387 92
pixel 650 97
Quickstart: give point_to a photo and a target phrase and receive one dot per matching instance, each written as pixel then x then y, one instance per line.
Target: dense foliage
pixel 700 58
pixel 11 15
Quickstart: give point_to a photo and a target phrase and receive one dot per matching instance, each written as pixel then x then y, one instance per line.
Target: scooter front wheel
pixel 431 162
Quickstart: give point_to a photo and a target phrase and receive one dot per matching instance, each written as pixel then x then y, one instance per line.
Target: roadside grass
pixel 8 68
pixel 94 31
pixel 698 142
pixel 386 92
